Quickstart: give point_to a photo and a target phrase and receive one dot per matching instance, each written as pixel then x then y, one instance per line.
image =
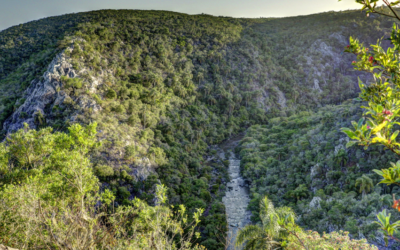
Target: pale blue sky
pixel 14 12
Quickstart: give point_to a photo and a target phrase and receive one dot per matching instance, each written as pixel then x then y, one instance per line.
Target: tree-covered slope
pixel 279 60
pixel 163 86
pixel 25 52
pixel 302 161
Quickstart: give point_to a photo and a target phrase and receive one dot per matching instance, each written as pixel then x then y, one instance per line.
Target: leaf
pixel 350 144
pixel 382 217
pixel 379 108
pixel 394 3
pixel 378 139
pixel 379 127
pixel 350 133
pixel 354 124
pixel 393 137
pixel 379 172
pixel 360 122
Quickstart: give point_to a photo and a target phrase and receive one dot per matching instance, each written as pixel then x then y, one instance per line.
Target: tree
pixel 383 97
pixel 279 229
pixel 341 158
pixel 50 198
pixel 334 240
pixel 299 192
pixel 365 184
pixel 111 94
pixel 271 230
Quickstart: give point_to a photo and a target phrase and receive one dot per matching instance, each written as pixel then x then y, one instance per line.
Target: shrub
pixel 111 94
pixel 103 171
pixel 334 240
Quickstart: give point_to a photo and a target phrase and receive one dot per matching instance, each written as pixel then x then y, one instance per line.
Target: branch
pixel 40 231
pixel 112 230
pixel 298 238
pixel 383 14
pixel 227 238
pixel 54 237
pixel 372 9
pixel 390 7
pixel 394 238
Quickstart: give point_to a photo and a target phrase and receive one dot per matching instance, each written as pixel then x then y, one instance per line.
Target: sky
pixel 14 12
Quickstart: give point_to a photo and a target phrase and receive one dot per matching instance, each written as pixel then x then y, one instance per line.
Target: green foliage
pixel 26 51
pixel 168 85
pixel 383 97
pixel 300 162
pixel 103 171
pixel 365 184
pixel 111 94
pixel 278 229
pixel 274 220
pixel 390 175
pixel 151 103
pixel 71 82
pixel 50 198
pixel 334 240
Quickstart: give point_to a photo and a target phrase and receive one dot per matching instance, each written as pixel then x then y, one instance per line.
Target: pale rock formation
pixel 45 93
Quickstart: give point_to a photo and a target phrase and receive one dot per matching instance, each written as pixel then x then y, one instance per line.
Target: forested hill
pixel 164 86
pixel 276 55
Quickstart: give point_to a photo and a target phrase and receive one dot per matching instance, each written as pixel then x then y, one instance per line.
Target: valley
pixel 220 111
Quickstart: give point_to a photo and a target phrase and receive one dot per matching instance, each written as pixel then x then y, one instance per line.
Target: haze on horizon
pixel 15 12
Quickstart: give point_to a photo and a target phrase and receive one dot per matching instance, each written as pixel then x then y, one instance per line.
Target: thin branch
pixel 383 14
pixel 54 237
pixel 394 238
pixel 227 238
pixel 112 230
pixel 298 238
pixel 40 231
pixel 390 7
pixel 373 10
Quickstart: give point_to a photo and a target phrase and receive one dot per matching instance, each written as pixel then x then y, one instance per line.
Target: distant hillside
pixel 164 86
pixel 302 161
pixel 275 54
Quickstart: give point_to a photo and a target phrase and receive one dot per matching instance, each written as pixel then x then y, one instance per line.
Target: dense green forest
pixel 301 161
pixel 163 87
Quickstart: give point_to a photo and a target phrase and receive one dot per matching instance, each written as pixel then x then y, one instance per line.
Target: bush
pixel 334 240
pixel 104 171
pixel 111 94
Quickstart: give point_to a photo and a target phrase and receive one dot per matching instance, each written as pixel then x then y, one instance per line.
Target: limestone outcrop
pixel 41 94
pixel 44 94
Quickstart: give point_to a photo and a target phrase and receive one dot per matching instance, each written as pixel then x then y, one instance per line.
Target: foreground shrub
pixel 50 199
pixel 335 240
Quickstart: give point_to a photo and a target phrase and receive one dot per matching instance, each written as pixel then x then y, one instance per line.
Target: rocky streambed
pixel 237 197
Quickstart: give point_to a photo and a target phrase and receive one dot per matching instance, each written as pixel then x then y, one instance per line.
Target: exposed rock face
pixel 236 200
pixel 40 94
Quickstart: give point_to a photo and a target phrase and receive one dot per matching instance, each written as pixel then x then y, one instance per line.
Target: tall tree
pixel 365 184
pixel 267 235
